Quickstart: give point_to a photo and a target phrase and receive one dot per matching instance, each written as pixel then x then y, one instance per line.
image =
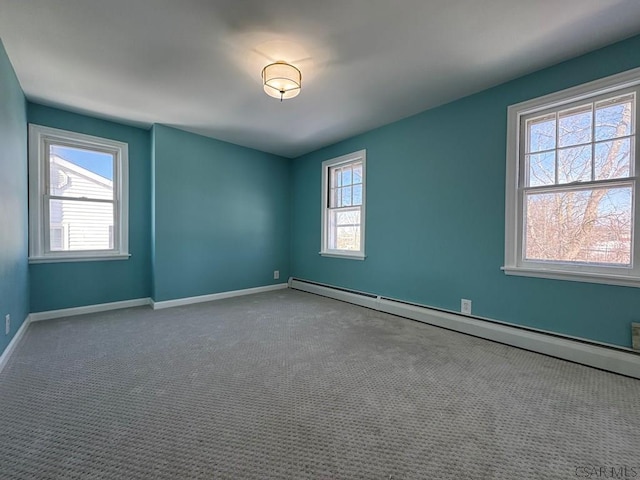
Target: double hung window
pixel 572 203
pixel 78 196
pixel 343 206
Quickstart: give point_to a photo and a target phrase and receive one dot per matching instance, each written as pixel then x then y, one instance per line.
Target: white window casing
pixel 96 219
pixel 344 206
pixel 590 99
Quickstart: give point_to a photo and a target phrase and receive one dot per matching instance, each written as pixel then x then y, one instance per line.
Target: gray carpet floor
pixel 291 385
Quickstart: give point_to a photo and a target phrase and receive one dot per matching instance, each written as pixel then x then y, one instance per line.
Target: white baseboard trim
pixel 615 360
pixel 100 307
pixel 215 296
pixel 4 358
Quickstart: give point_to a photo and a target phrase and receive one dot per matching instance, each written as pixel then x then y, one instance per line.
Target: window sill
pixel 350 256
pixel 589 277
pixel 80 258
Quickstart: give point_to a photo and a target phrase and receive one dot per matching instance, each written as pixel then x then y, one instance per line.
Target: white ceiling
pixel 195 64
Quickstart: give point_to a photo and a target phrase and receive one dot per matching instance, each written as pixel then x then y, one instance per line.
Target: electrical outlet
pixel 635 335
pixel 276 274
pixel 7 324
pixel 465 306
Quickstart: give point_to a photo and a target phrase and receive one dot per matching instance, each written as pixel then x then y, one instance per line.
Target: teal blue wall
pixel 72 284
pixel 14 278
pixel 222 216
pixel 435 213
pixel 152 249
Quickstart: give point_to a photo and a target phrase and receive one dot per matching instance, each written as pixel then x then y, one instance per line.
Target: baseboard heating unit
pixel 606 357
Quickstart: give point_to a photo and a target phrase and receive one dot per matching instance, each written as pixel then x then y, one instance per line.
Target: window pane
pixel 74 172
pixel 348 238
pixel 338 197
pixel 346 176
pixel 348 217
pixel 613 118
pixel 346 197
pixel 574 164
pixel 344 229
pixel 88 225
pixel 542 169
pixel 541 133
pixel 575 126
pixel 357 195
pixel 357 173
pixel 335 198
pixel 336 177
pixel 341 197
pixel 585 226
pixel 613 159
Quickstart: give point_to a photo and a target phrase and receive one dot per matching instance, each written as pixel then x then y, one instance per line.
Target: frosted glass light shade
pixel 281 80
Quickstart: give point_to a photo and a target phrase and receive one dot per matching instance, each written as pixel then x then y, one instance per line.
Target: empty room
pixel 325 240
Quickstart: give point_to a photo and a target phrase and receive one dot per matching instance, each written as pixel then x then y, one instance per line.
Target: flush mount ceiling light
pixel 281 80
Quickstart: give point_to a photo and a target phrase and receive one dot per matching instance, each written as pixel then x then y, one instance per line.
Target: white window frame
pixel 514 263
pixel 39 138
pixel 359 156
